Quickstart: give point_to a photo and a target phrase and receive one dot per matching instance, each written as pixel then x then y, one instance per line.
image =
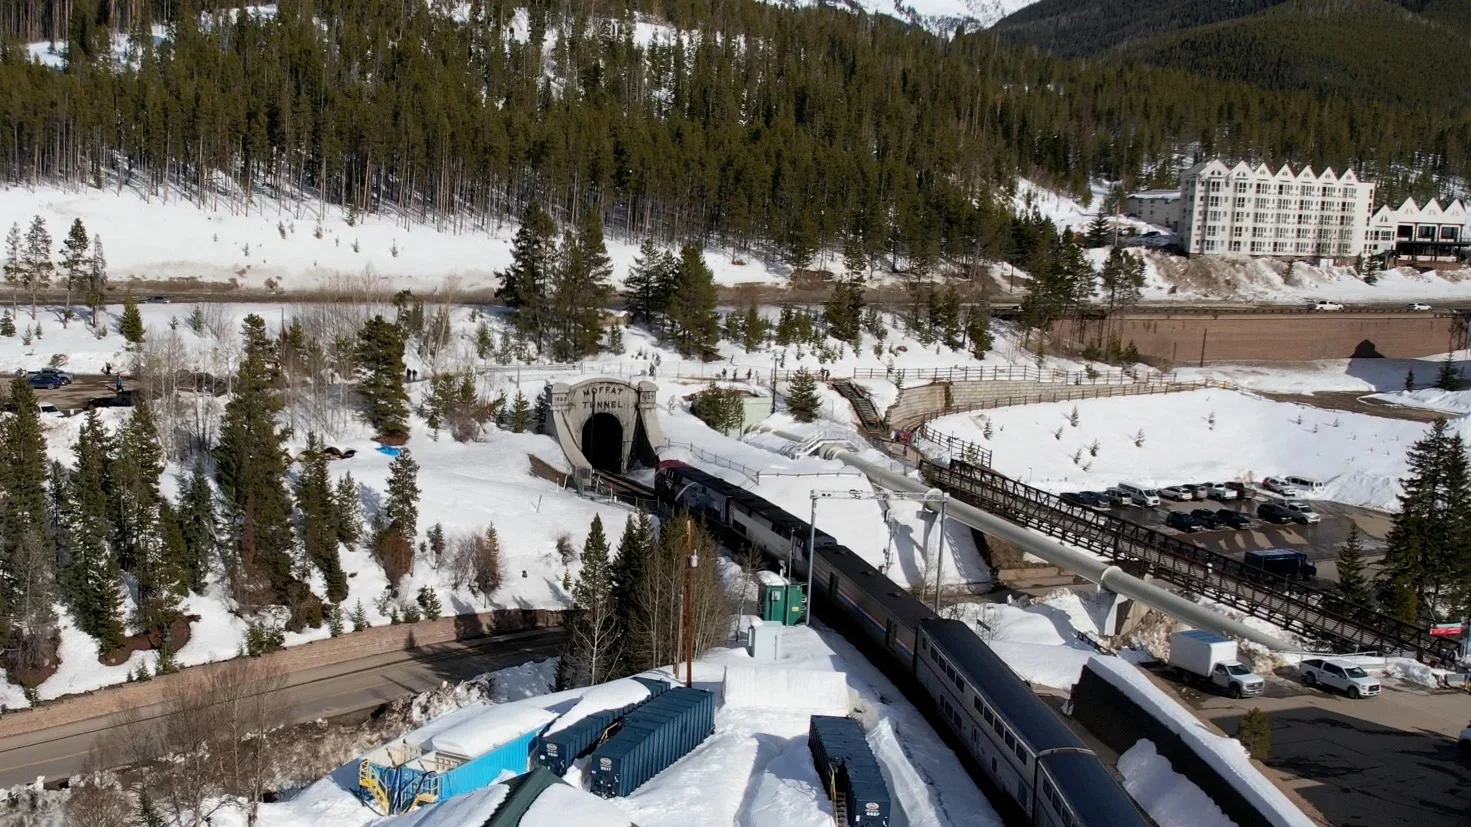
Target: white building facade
pixel 1255 211
pixel 1416 233
pixel 1158 207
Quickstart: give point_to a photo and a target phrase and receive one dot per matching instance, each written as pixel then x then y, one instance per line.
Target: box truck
pixel 1207 657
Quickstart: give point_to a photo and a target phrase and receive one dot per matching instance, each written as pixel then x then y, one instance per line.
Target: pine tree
pixel 251 463
pixel 593 637
pixel 92 581
pixel 1122 279
pixel 37 258
pixel 1409 381
pixel 138 537
pixel 76 261
pixel 580 289
pixel 978 331
pixel 1425 550
pixel 348 505
pixel 1449 376
pixel 694 324
pixel 359 617
pixel 1099 232
pixel 7 323
pixel 97 281
pixel 14 267
pixel 131 324
pixel 644 283
pixel 429 603
pixel 318 518
pixel 520 414
pixel 199 527
pixel 634 548
pixel 802 399
pixel 1255 733
pixel 402 508
pixel 1352 581
pixel 27 549
pixel 754 328
pixel 380 368
pixel 527 285
pixel 844 311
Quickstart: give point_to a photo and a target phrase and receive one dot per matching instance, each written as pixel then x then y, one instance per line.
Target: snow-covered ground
pixel 1456 403
pixel 1037 637
pixel 1198 436
pixel 755 769
pixel 1169 797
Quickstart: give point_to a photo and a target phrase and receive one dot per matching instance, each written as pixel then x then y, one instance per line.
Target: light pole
pixel 930 497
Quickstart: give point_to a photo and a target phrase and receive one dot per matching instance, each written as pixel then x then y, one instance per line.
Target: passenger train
pixel 1018 741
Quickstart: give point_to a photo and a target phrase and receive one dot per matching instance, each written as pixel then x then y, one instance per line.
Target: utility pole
pixel 689 604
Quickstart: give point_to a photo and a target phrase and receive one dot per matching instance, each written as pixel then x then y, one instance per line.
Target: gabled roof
pixel 1284 174
pixel 1408 210
pixel 1348 177
pixel 1384 215
pixel 1328 176
pixel 1456 210
pixel 1307 174
pixel 1263 170
pixel 1241 170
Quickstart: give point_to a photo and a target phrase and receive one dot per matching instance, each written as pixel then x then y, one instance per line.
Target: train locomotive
pixel 1018 741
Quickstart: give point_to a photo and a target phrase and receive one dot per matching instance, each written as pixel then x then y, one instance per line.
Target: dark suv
pixel 1279 514
pixel 1207 518
pixel 1182 521
pixel 1233 519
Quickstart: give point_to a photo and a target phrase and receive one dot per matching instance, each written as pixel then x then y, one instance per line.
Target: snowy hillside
pixel 941 17
pixel 1200 436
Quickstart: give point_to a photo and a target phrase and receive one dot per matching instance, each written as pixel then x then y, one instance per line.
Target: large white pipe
pixel 1109 576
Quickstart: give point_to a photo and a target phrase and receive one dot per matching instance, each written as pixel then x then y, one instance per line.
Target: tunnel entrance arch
pixel 602 442
pixel 606 424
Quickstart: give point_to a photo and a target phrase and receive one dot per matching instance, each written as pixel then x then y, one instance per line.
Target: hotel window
pixel 1235 246
pixel 1263 189
pixel 1243 202
pixel 1215 186
pixel 1257 246
pixel 1215 215
pixel 1215 201
pixel 1261 218
pixel 1309 189
pixel 1239 216
pixel 1241 186
pixel 1212 230
pixel 1238 231
pixel 1210 245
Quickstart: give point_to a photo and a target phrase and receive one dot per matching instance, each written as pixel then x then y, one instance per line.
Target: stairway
pixel 868 415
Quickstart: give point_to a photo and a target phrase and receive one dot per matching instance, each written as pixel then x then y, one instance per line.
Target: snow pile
pixel 820 693
pixel 789 792
pixel 1197 436
pixel 1169 797
pixel 1413 671
pixel 471 808
pixel 614 695
pixel 1038 640
pixel 490 730
pixel 561 805
pixel 923 807
pixel 1225 755
pixel 1434 399
pixel 525 681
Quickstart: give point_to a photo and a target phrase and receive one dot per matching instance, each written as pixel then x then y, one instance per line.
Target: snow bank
pixel 789 793
pixel 915 796
pixel 1198 436
pixel 491 729
pixel 614 695
pixel 821 693
pixel 471 808
pixel 1433 399
pixel 1037 640
pixel 561 805
pixel 1169 797
pixel 1225 755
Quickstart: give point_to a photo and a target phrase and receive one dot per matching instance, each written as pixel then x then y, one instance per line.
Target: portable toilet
pixel 781 602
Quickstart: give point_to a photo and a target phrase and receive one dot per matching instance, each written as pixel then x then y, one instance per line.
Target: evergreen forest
pixel 765 128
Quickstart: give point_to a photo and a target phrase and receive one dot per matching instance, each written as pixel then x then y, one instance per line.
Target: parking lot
pixel 1320 541
pixel 74 397
pixel 1381 761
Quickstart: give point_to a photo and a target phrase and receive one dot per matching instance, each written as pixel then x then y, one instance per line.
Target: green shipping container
pixel 782 604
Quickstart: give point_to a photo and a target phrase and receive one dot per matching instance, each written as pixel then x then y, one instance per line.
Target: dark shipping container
pixel 849 771
pixel 651 738
pixel 556 751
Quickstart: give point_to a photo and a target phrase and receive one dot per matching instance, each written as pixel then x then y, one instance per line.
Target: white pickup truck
pixel 1338 674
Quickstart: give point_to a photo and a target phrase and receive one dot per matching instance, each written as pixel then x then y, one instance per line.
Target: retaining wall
pixel 1193 337
pixel 922 402
pixel 351 646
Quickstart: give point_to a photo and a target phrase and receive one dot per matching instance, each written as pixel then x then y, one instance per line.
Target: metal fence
pixel 1005 373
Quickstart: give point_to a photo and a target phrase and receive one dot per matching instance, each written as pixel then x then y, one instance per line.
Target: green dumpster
pixel 782 603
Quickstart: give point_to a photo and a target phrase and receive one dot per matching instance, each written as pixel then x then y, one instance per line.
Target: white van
pixel 1147 497
pixel 1306 485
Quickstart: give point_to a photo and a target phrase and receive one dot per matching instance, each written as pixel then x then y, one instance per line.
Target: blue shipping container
pixel 849 771
pixel 438 776
pixel 557 750
pixel 652 738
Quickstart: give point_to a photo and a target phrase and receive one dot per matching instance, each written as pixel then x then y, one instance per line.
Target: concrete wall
pixel 1186 338
pixel 375 641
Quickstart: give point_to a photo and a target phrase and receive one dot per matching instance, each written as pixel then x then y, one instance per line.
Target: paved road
pixel 1388 761
pixel 324 692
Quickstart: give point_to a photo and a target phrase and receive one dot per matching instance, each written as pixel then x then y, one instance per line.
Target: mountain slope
pixel 1354 48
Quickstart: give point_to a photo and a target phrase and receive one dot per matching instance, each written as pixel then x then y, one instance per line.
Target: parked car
pixel 1417 306
pixel 1322 304
pixel 1086 499
pixel 48 409
pixel 1220 491
pixel 1233 519
pixel 1181 493
pixel 1306 485
pixel 66 377
pixel 1275 513
pixel 1142 496
pixel 1336 673
pixel 1117 497
pixel 42 381
pixel 1207 518
pixel 1243 491
pixel 1181 521
pixel 1305 513
pixel 1278 485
